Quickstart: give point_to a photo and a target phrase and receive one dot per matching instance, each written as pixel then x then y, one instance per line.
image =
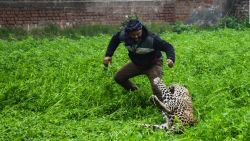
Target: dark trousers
pixel 131 70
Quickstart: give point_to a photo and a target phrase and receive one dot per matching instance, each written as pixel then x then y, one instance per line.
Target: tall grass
pixel 52 31
pixel 56 88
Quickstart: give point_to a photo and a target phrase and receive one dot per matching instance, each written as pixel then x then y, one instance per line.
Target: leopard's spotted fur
pixel 176 104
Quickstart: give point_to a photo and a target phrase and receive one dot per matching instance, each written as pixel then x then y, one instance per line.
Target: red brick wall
pixel 68 13
pixel 30 13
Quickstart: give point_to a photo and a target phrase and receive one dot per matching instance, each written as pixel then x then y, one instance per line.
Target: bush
pixel 52 31
pixel 233 22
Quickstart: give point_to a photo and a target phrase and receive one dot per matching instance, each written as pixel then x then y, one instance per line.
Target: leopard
pixel 176 107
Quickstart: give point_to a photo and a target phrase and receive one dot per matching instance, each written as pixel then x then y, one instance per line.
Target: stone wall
pixel 241 9
pixel 33 13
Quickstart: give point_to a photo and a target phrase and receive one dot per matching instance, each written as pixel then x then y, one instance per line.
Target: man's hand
pixel 170 63
pixel 107 60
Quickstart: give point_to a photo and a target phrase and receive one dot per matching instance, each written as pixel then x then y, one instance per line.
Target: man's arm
pixel 113 44
pixel 162 45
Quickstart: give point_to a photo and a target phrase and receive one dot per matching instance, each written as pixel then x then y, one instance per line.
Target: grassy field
pixel 56 89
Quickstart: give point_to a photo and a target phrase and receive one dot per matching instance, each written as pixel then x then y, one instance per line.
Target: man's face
pixel 135 35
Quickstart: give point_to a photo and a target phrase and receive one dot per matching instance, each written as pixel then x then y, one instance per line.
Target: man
pixel 144 50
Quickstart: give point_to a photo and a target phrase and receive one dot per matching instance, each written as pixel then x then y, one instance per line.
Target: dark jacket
pixel 144 53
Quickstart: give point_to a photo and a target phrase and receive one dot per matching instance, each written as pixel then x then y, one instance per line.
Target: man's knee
pixel 118 78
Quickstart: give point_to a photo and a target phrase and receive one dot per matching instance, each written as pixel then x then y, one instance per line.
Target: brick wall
pixel 73 12
pixel 32 13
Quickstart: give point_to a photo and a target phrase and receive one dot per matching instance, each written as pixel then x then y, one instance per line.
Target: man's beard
pixel 137 40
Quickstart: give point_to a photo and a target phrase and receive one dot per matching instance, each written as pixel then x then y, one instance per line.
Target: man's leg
pixel 125 73
pixel 153 72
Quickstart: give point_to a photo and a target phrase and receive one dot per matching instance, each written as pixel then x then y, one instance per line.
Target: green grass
pixel 56 89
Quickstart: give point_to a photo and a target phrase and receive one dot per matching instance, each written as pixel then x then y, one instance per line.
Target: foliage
pixel 56 89
pixel 158 28
pixel 180 27
pixel 53 31
pixel 232 22
pixel 10 33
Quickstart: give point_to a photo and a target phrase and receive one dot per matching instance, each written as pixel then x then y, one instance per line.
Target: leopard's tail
pixel 164 126
pixel 161 126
